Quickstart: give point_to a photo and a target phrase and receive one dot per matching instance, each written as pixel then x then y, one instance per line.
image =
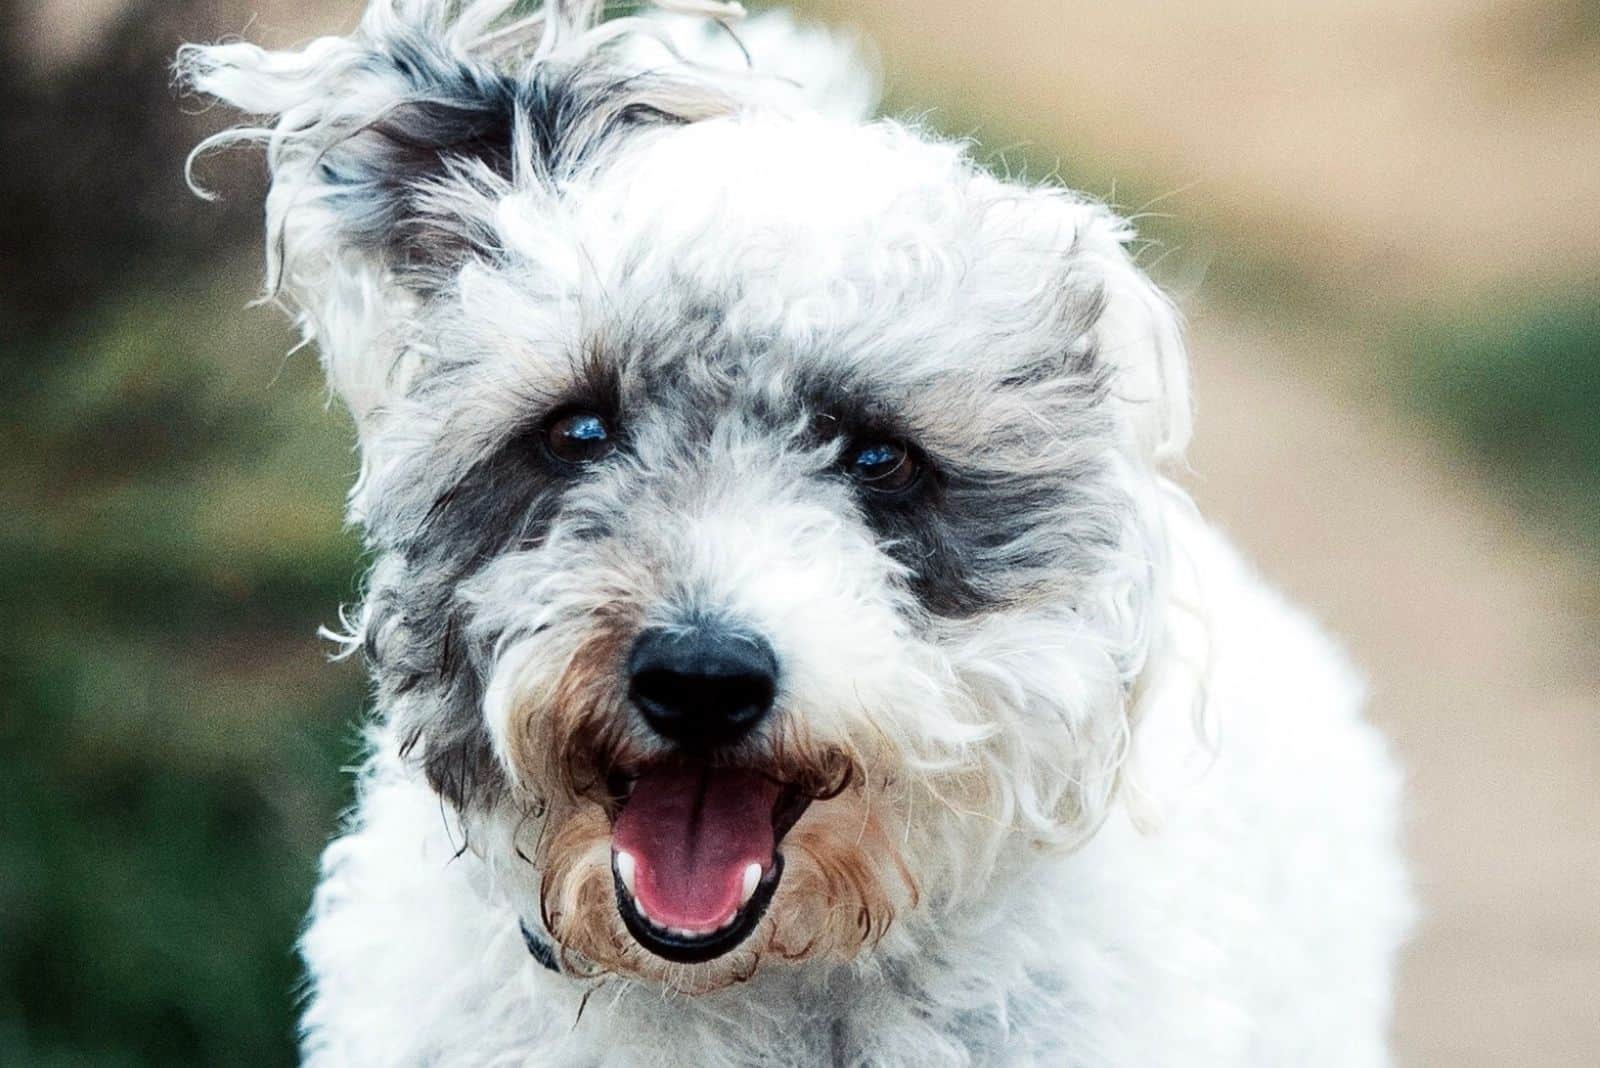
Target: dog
pixel 788 645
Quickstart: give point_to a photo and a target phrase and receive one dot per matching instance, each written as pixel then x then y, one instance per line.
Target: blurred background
pixel 1383 219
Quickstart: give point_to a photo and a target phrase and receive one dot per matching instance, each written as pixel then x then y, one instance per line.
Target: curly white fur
pixel 1112 801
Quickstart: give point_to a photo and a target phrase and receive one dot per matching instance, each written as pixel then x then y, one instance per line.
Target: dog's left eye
pixel 578 438
pixel 883 466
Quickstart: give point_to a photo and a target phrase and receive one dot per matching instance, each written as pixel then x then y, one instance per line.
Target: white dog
pixel 788 649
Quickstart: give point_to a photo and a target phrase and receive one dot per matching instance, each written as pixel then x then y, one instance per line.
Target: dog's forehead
pixel 804 239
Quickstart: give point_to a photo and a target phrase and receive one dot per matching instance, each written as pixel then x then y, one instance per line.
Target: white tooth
pixel 752 879
pixel 626 866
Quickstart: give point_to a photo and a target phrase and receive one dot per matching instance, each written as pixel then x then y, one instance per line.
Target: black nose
pixel 702 686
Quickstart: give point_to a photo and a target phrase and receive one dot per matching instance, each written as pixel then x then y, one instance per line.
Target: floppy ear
pixel 1139 334
pixel 391 149
pixel 361 134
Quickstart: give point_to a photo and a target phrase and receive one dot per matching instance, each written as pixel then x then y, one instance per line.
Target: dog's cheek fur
pixel 429 664
pixel 415 639
pixel 566 727
pixel 844 882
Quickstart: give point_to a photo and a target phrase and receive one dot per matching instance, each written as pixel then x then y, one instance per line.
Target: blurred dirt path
pixel 1484 673
pixel 1407 151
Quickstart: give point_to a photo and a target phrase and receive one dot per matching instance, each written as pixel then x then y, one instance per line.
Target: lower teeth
pixel 752 879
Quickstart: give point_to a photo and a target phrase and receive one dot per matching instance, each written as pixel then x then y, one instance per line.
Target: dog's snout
pixel 704 686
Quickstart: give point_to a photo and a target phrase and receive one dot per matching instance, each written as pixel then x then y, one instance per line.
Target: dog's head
pixel 763 498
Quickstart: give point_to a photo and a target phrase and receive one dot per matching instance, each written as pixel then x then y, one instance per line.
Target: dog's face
pixel 761 500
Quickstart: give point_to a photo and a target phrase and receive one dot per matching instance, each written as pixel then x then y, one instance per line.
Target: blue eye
pixel 578 438
pixel 588 428
pixel 883 466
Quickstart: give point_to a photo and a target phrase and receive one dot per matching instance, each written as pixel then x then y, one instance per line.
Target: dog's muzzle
pixel 694 841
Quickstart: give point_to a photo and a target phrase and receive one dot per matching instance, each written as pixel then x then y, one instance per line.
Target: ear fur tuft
pixel 389 149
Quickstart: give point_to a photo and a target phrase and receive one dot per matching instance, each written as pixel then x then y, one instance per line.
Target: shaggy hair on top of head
pixel 777 586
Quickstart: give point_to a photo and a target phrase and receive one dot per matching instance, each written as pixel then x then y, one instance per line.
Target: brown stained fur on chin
pixel 844 881
pixel 576 899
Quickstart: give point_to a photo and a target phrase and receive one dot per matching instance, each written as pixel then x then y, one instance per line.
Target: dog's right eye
pixel 886 467
pixel 578 438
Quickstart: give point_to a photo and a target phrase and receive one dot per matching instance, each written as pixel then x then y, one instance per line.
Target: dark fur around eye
pixel 973 537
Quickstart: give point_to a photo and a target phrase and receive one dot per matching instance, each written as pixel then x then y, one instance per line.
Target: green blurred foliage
pixel 172 535
pixel 1518 380
pixel 171 490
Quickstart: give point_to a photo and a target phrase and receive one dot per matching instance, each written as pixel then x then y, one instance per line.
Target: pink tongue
pixel 692 833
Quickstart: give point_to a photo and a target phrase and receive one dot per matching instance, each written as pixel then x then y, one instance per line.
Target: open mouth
pixel 694 855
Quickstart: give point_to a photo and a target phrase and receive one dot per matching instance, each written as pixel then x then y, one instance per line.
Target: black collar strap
pixel 540 947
